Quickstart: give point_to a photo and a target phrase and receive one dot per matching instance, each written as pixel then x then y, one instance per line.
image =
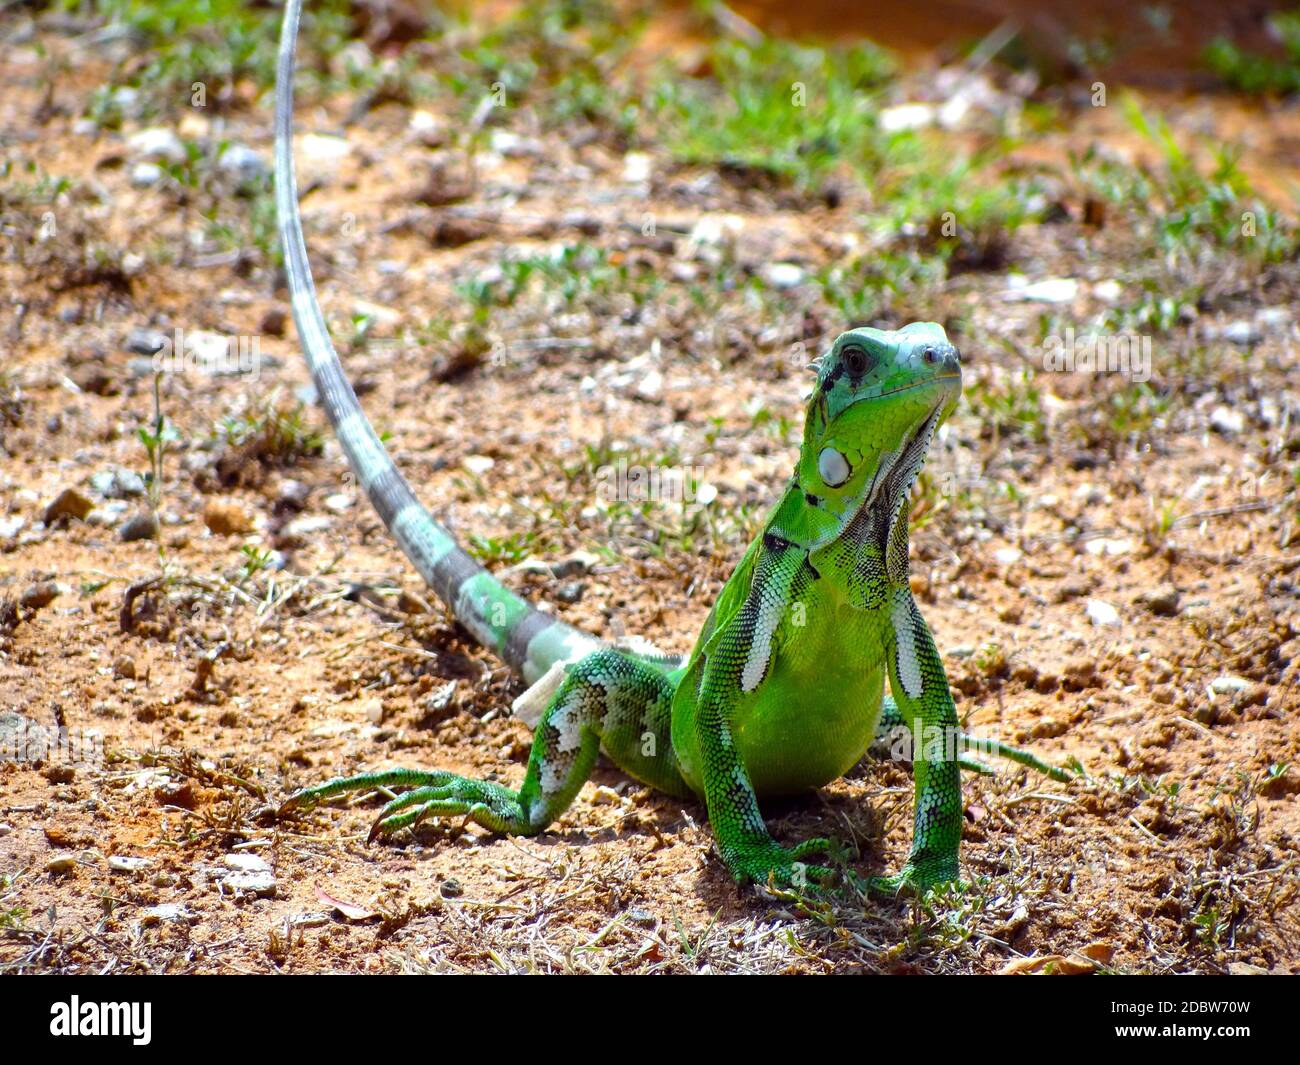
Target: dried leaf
pixel 350 910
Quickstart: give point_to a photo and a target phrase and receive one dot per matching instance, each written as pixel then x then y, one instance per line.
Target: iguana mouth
pixel 919 384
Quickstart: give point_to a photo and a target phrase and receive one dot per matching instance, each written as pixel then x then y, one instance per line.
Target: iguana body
pixel 784 690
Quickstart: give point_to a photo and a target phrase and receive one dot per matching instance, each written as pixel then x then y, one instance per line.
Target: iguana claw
pixel 911 881
pixel 771 864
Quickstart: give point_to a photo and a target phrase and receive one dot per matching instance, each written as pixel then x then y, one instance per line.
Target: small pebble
pixel 39 595
pixel 144 175
pixel 70 503
pixel 570 592
pixel 1227 420
pixel 1162 600
pixel 242 162
pixel 784 275
pixel 61 864
pixel 168 911
pixel 249 875
pixel 226 517
pixel 1101 613
pixel 157 144
pixel 144 342
pixel 142 525
pixel 1053 290
pixel 1242 333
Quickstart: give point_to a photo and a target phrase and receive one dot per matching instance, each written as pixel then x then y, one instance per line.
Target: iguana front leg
pixel 747 847
pixel 920 688
pixel 737 663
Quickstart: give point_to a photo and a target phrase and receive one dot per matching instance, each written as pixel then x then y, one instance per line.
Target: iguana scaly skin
pixel 784 690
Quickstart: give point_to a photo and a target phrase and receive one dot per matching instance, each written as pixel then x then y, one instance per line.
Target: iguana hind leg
pixel 891 718
pixel 607 695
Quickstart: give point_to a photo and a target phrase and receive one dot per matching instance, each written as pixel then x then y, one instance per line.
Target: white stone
pixel 1101 613
pixel 1052 290
pixel 308 525
pixel 902 117
pixel 650 385
pixel 1228 685
pixel 323 149
pixel 145 174
pixel 1241 332
pixel 637 167
pixel 249 874
pixel 1227 420
pixel 243 162
pixel 1111 548
pixel 157 144
pixel 784 275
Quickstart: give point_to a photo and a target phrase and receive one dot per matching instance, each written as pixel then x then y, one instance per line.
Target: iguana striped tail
pixel 528 640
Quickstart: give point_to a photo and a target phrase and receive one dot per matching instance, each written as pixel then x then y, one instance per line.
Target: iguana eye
pixel 855 360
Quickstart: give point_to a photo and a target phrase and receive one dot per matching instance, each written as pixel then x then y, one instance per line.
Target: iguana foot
pixel 769 863
pixel 913 880
pixel 434 794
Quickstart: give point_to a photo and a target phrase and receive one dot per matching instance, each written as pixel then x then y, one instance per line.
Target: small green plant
pixel 1164 519
pixel 505 550
pixel 950 914
pixel 245 221
pixel 256 559
pixel 792 112
pixel 11 917
pixel 155 437
pixel 37 188
pixel 860 289
pixel 1135 409
pixel 1188 214
pixel 1152 312
pixel 1254 73
pixel 1211 927
pixel 1011 405
pixel 271 432
pixel 199 51
pixel 991 659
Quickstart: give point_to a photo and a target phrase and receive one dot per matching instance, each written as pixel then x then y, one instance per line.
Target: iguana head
pixel 880 396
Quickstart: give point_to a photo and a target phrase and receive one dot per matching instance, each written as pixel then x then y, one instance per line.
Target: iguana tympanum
pixel 784 690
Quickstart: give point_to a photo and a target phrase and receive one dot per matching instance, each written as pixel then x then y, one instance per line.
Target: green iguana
pixel 784 690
